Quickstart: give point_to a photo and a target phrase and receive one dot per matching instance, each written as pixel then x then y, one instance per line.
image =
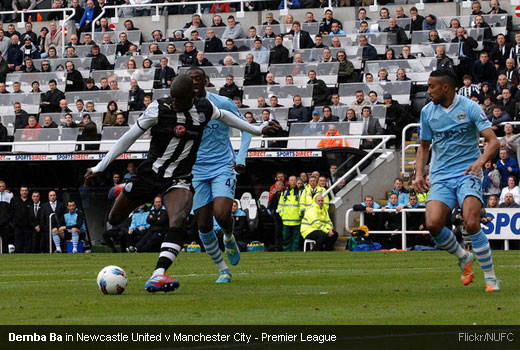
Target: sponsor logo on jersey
pixel 179 131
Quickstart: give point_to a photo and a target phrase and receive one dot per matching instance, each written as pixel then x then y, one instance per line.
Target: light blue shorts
pixel 222 185
pixel 456 190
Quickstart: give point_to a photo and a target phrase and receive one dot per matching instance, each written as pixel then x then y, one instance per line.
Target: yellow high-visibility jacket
pixel 289 207
pixel 307 197
pixel 315 218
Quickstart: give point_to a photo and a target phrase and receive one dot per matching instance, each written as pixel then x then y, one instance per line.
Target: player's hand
pixel 240 168
pixel 420 185
pixel 89 175
pixel 473 169
pixel 271 130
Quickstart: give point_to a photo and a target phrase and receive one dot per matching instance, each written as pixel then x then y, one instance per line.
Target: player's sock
pixel 483 253
pixel 228 234
pixel 75 240
pixel 210 242
pixel 57 241
pixel 170 248
pixel 446 240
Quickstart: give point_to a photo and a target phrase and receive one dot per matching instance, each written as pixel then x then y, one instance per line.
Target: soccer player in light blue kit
pixel 214 180
pixel 453 123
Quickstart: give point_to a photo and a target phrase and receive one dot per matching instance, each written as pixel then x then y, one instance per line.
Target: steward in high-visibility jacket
pixel 289 211
pixel 309 195
pixel 317 226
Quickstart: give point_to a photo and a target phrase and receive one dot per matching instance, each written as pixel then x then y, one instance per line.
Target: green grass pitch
pixel 267 288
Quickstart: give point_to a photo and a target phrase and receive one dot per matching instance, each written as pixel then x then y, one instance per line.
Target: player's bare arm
pixel 489 152
pixel 420 184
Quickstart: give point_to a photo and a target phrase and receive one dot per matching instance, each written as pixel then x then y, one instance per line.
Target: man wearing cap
pixel 316 225
pixel 396 118
pixel 315 127
pixel 29 50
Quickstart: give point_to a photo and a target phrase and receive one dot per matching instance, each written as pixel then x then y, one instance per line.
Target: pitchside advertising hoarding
pixel 505 224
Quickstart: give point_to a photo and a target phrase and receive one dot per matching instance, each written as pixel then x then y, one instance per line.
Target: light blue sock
pixel 446 241
pixel 210 242
pixel 57 241
pixel 483 253
pixel 75 240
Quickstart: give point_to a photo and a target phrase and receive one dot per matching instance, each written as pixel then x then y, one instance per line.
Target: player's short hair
pixel 446 75
pixel 196 69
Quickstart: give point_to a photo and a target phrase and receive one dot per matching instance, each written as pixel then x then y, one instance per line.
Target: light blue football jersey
pixel 216 153
pixel 455 134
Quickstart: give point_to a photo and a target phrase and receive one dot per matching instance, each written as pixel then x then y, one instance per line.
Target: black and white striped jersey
pixel 176 137
pixel 466 91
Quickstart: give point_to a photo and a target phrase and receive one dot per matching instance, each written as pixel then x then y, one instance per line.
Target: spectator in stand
pixel 326 23
pixel 52 98
pixel 506 102
pixel 346 72
pixel 468 88
pixel 350 116
pixel 158 221
pixel 443 61
pixel 124 45
pixel 314 127
pixel 490 180
pixel 320 93
pixel 484 70
pixel 261 102
pixel 498 117
pixel 371 126
pixel 507 166
pixel 137 228
pixel 279 53
pixel 405 53
pixel 31 131
pixel 20 211
pixel 252 73
pixel 288 209
pixel 99 61
pixel 316 225
pixel 328 117
pixel 401 37
pixel 402 193
pixel 417 20
pixel 74 80
pixel 274 102
pixel 21 116
pixel 212 43
pixel 260 52
pixel 164 75
pixel 327 143
pixel 368 51
pixel 510 188
pixel 396 118
pixel 509 202
pixel 301 38
pixel 492 201
pixel 298 113
pixel 274 198
pixel 360 101
pixel 233 30
pixel 189 56
pixel 14 54
pixel 136 96
pixel 48 123
pixel 230 89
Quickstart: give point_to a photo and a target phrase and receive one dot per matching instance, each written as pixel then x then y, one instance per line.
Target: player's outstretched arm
pixel 119 148
pixel 420 164
pixel 489 152
pixel 232 120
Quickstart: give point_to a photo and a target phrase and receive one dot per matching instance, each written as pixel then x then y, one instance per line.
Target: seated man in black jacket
pixel 320 93
pixel 99 61
pixel 241 228
pixel 51 99
pixel 163 75
pixel 230 89
pixel 252 74
pixel 372 220
pixel 159 223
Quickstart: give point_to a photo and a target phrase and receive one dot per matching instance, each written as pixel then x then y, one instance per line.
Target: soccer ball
pixel 112 280
pixel 115 191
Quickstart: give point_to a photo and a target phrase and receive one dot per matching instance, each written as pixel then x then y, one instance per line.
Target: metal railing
pixel 21 23
pixel 50 232
pixel 356 168
pixel 199 4
pixel 403 231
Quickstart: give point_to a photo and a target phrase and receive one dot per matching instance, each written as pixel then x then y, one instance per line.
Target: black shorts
pixel 68 235
pixel 142 189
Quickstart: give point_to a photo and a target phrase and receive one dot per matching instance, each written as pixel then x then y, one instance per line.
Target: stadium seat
pixel 245 199
pixel 311 244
